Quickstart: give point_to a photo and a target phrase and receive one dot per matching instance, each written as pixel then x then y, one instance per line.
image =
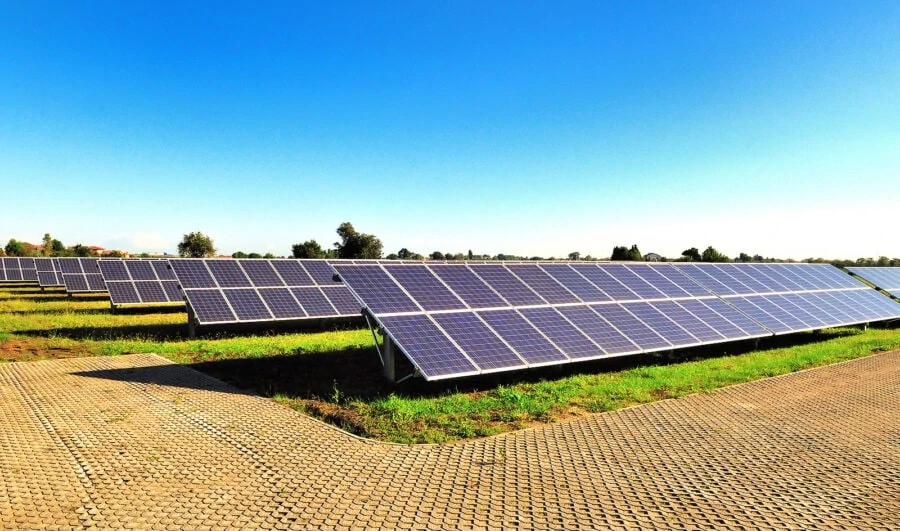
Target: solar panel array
pixel 222 291
pixel 884 278
pixel 48 272
pixel 81 275
pixel 136 281
pixel 455 320
pixel 16 269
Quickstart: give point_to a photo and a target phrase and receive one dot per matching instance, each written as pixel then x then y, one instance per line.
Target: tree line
pixel 353 244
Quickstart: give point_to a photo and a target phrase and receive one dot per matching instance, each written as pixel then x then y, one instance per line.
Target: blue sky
pixel 532 128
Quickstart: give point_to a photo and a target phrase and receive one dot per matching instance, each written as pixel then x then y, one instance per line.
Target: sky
pixel 525 128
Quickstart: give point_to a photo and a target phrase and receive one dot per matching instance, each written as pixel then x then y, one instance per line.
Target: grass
pixel 335 374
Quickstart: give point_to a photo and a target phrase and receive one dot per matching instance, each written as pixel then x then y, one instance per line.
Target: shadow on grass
pixel 356 373
pixel 152 332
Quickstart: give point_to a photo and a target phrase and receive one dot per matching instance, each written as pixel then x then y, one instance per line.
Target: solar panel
pixel 15 269
pixel 883 278
pixel 221 291
pixel 48 273
pixel 81 275
pixel 139 282
pixel 487 317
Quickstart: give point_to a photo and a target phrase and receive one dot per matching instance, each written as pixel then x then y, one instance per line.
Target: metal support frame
pixel 192 322
pixel 387 352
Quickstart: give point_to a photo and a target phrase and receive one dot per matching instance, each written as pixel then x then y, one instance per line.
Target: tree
pixel 356 244
pixel 744 257
pixel 404 254
pixel 59 249
pixel 437 255
pixel 81 250
pixel 307 249
pixel 268 255
pixel 196 245
pixel 575 255
pixel 115 254
pixel 47 249
pixel 254 255
pixel 470 255
pixel 15 248
pixel 239 254
pixel 692 254
pixel 710 254
pixel 624 253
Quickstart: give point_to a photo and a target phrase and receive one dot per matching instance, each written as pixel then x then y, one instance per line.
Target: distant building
pixel 652 257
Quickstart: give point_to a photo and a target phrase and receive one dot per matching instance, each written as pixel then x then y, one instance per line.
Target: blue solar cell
pixel 282 303
pixel 714 271
pixel 599 330
pixel 95 282
pixel 162 269
pixel 662 324
pixel 795 309
pixel 614 289
pixel 886 278
pixel 70 265
pixel 114 270
pixel 90 265
pixel 507 285
pixel 638 332
pixel 43 264
pixel 228 274
pixel 754 311
pixel 140 269
pixel 192 273
pixel 374 286
pixel 320 271
pixel 10 263
pixel 49 279
pixel 341 298
pixel 632 281
pixel 151 291
pixel 122 292
pixel 314 303
pixel 471 289
pixel 715 321
pixel 573 282
pixel 751 327
pixel 702 277
pixel 14 274
pixel 831 306
pixel 690 322
pixel 209 306
pixel 173 292
pixel 75 283
pixel 681 280
pixel 551 289
pixel 562 333
pixel 769 277
pixel 292 273
pixel 651 275
pixel 774 307
pixel 523 337
pixel 424 287
pixel 247 304
pixel 746 276
pixel 482 345
pixel 875 306
pixel 816 309
pixel 427 347
pixel 261 273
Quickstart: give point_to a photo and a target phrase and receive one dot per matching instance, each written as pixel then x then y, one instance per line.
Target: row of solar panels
pixel 455 320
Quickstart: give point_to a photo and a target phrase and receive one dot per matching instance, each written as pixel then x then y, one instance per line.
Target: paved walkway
pixel 136 441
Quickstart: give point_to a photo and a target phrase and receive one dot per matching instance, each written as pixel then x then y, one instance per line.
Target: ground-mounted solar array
pixel 883 278
pixel 48 272
pixel 81 275
pixel 138 281
pixel 220 291
pixel 16 269
pixel 455 320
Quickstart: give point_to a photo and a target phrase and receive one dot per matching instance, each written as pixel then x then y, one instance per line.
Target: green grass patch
pixel 335 374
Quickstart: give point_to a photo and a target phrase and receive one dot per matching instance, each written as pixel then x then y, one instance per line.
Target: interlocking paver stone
pixel 139 442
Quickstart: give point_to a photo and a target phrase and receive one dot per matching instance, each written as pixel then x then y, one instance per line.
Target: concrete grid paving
pixel 139 442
